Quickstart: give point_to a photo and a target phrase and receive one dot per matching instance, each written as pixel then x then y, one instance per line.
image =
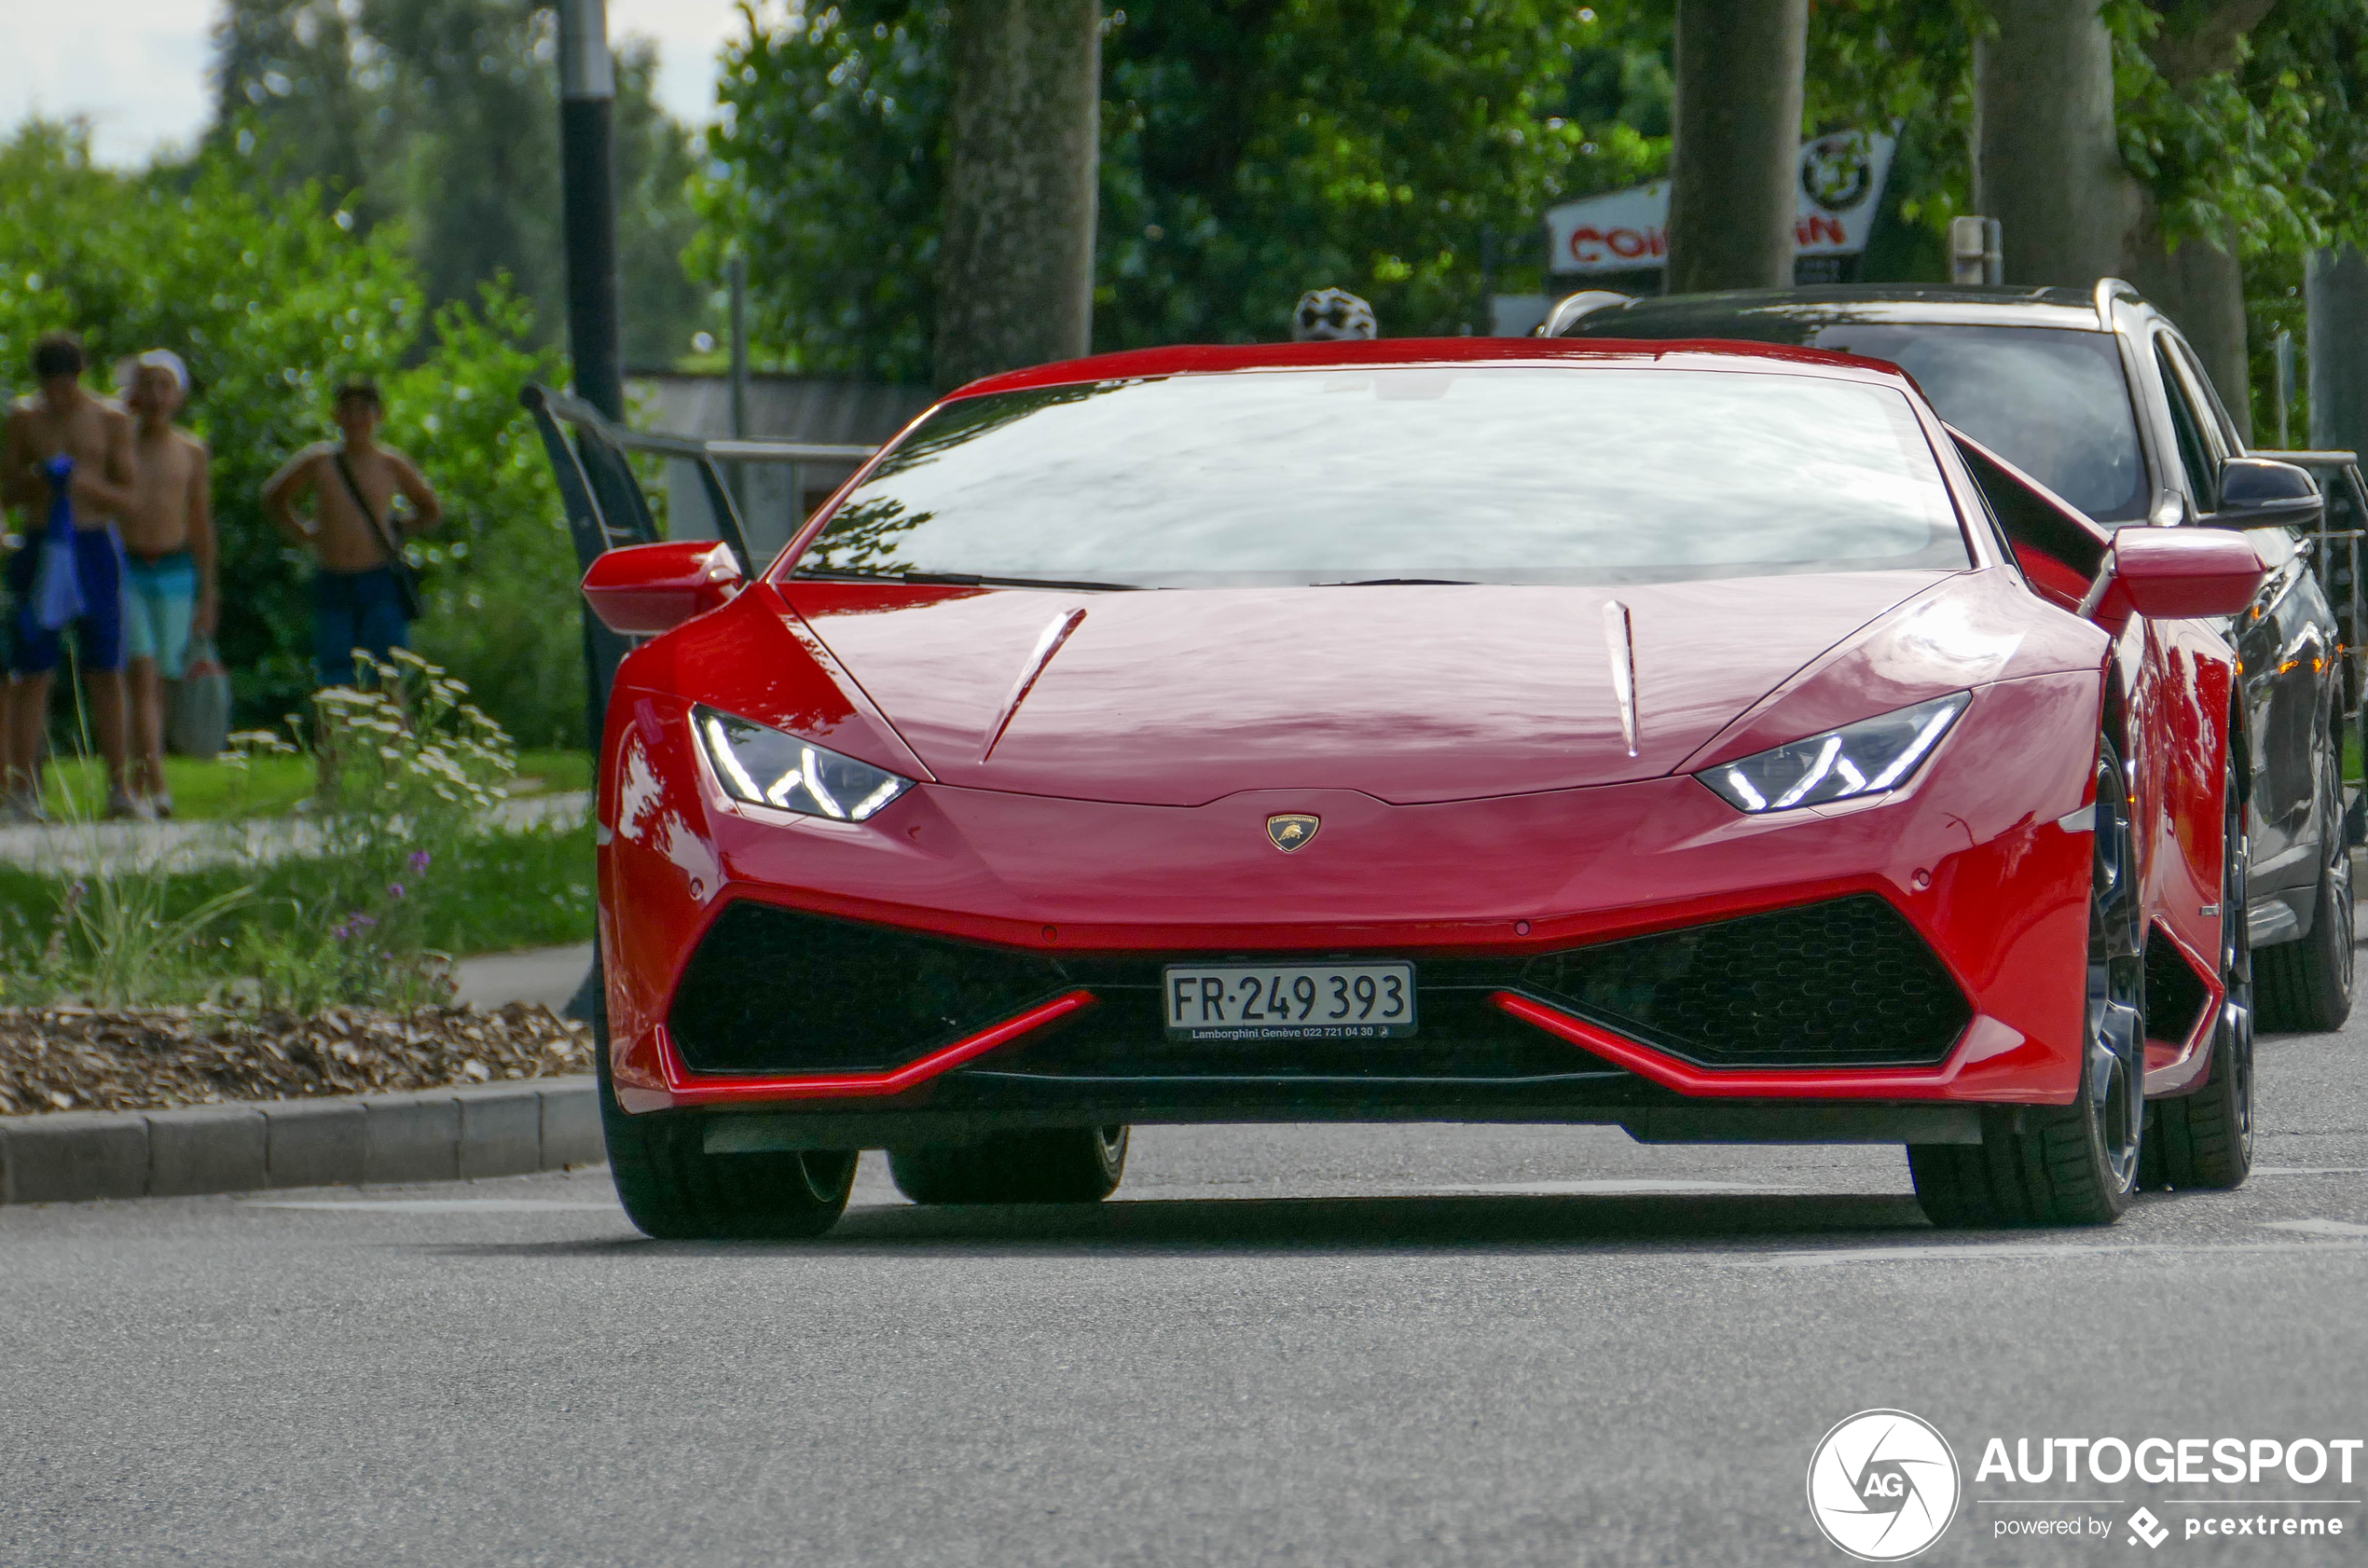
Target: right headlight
pixel 764 767
pixel 1862 759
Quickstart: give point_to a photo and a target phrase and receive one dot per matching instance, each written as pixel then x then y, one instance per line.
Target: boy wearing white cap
pixel 169 587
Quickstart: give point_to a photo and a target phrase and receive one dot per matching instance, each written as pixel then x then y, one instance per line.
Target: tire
pixel 673 1190
pixel 2205 1140
pixel 2074 1164
pixel 2306 984
pixel 1057 1165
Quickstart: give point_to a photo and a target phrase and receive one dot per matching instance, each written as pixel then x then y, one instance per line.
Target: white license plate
pixel 1289 1001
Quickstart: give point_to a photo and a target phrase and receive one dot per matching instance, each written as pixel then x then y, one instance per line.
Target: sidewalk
pixel 548 975
pixel 83 847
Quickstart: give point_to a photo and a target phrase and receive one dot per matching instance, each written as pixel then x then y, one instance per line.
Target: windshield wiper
pixel 973 579
pixel 1398 582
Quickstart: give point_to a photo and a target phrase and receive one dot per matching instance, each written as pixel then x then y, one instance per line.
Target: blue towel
pixel 56 593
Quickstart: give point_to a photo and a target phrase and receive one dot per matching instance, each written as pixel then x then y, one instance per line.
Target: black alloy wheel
pixel 2205 1139
pixel 672 1189
pixel 2306 984
pixel 1054 1165
pixel 2074 1164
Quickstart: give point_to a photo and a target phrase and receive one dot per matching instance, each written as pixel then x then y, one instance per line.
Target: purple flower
pixel 394 889
pixel 419 859
pixel 360 921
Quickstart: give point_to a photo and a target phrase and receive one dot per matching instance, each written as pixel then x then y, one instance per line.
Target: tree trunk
pixel 2336 287
pixel 2202 288
pixel 1015 265
pixel 1733 192
pixel 2051 168
pixel 2200 285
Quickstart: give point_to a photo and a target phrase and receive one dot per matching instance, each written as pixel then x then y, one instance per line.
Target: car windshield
pixel 2052 401
pixel 1495 474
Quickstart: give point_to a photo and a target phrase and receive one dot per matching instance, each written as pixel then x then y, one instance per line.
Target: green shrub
pixel 272 298
pixel 408 770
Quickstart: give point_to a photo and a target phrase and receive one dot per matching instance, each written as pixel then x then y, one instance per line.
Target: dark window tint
pixel 1495 474
pixel 2195 456
pixel 2052 401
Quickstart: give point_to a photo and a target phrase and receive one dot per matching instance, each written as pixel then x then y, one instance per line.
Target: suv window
pixel 2052 401
pixel 2195 455
pixel 2218 426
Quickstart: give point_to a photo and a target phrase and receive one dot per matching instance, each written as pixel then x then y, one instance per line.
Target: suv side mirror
pixel 643 589
pixel 2173 574
pixel 2263 492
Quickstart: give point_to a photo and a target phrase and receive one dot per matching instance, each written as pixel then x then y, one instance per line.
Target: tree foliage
pixel 443 115
pixel 2240 117
pixel 272 296
pixel 1251 149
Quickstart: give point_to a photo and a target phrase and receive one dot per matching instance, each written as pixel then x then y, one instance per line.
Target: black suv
pixel 2098 396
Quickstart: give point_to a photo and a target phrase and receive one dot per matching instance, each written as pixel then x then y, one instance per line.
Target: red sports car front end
pixel 1798 847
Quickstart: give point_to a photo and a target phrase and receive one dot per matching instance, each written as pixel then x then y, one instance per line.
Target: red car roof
pixel 1187 359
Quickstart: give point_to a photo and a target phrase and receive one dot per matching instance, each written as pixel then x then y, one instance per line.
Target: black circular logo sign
pixel 1835 172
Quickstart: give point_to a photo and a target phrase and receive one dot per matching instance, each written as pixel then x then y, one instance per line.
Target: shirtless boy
pixel 354 601
pixel 169 579
pixel 64 420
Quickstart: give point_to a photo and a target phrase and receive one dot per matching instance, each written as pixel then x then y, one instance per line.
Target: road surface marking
pixel 1974 1252
pixel 1608 1187
pixel 435 1206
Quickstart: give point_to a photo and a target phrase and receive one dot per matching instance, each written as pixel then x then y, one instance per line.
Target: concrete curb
pixel 434 1134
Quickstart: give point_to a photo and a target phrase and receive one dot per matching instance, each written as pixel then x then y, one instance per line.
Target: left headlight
pixel 765 767
pixel 1862 759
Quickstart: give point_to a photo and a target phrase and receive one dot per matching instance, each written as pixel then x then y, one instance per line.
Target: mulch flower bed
pixel 153 1058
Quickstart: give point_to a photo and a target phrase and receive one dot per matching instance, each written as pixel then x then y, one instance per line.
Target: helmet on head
pixel 1331 316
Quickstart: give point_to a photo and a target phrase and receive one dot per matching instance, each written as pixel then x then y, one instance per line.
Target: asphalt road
pixel 1332 1345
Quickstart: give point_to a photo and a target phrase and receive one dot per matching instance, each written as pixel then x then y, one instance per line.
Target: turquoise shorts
pixel 159 597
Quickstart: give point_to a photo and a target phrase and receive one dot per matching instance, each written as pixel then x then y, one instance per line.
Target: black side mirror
pixel 2263 492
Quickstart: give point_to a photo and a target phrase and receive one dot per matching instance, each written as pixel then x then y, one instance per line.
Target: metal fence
pixel 607 508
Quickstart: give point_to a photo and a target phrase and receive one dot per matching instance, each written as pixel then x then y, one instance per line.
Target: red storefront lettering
pixel 1588 243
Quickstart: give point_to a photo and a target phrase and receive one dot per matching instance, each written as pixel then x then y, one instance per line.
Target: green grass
pixel 500 892
pixel 207 790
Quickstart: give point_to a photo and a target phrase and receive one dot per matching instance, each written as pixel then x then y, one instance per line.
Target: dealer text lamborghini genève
pixel 1663 735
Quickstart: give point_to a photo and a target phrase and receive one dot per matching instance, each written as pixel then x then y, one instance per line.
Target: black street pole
pixel 588 96
pixel 587 92
pixel 588 176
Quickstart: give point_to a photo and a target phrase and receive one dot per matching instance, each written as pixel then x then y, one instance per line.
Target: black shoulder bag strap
pixel 407 581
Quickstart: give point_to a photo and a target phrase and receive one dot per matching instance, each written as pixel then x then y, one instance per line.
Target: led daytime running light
pixel 809 779
pixel 1855 761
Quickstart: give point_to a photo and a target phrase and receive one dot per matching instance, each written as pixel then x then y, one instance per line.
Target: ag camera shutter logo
pixel 1882 1485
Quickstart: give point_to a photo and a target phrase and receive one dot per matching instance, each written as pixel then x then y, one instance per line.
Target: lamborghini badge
pixel 1293 830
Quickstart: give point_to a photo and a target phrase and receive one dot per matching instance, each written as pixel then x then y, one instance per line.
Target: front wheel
pixel 674 1190
pixel 1056 1165
pixel 2074 1164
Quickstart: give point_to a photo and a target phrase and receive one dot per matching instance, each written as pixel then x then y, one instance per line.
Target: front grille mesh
pixel 1838 983
pixel 1842 983
pixel 772 990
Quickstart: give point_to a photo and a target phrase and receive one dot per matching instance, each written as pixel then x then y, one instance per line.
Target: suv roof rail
pixel 2109 290
pixel 2309 457
pixel 1571 307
